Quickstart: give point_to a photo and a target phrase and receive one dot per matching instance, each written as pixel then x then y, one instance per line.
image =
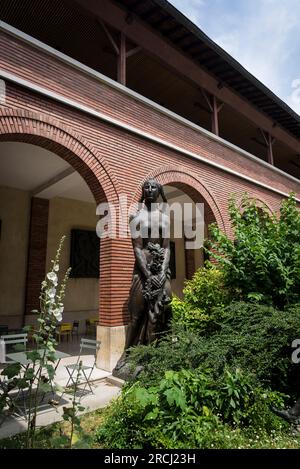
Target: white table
pixel 21 357
pixel 25 362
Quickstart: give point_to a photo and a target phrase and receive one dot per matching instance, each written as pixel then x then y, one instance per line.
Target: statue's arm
pixel 140 256
pixel 137 244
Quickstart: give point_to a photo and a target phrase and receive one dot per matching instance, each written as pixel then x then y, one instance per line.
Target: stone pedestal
pixel 112 346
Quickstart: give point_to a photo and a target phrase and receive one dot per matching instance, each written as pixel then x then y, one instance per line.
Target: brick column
pixel 37 251
pixel 116 266
pixel 189 263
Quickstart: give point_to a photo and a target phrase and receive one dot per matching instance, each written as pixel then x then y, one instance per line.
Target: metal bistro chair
pixel 18 341
pixel 7 386
pixel 10 395
pixel 85 370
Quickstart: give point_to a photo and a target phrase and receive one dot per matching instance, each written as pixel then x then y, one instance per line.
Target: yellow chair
pixel 94 321
pixel 91 325
pixel 64 330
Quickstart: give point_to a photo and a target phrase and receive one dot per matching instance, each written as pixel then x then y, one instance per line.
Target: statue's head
pixel 152 190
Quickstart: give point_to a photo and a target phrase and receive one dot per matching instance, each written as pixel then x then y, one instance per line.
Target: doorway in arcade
pixel 43 198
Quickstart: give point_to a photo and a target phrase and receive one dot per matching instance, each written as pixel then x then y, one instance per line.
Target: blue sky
pixel 263 35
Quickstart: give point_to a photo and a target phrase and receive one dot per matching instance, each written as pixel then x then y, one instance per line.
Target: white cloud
pixel 193 9
pixel 294 98
pixel 263 39
pixel 263 35
pixel 229 42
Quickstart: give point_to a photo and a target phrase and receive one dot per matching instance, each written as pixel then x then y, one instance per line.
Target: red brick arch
pixel 47 132
pixel 44 131
pixel 259 202
pixel 189 183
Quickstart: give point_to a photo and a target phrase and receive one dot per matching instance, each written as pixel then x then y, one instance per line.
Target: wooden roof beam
pixel 173 30
pixel 152 11
pixel 154 44
pixel 260 100
pixel 159 23
pixel 210 61
pixel 214 109
pixel 182 37
pixel 269 141
pixel 109 36
pixel 134 4
pixel 192 46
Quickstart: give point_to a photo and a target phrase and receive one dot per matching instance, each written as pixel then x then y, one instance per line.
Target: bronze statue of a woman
pixel 150 289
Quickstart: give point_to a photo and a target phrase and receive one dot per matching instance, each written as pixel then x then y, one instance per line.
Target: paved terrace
pixel 104 392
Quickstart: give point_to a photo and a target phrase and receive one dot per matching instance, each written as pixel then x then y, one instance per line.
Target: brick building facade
pixel 115 138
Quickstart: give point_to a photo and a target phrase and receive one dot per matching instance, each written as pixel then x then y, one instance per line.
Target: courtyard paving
pixel 104 391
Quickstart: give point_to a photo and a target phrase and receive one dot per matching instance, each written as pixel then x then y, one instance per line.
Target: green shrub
pixel 201 295
pixel 252 337
pixel 228 360
pixel 262 264
pixel 259 338
pixel 185 410
pixel 181 349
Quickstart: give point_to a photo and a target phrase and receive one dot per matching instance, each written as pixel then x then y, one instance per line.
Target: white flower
pixel 57 313
pixel 51 292
pixel 58 316
pixel 56 268
pixel 53 278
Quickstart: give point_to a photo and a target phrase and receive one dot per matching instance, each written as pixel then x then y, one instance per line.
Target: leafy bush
pixel 228 360
pixel 252 337
pixel 201 295
pixel 184 410
pixel 259 338
pixel 262 263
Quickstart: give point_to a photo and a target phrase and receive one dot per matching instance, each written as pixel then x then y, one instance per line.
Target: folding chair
pixel 86 370
pixel 10 393
pixel 7 385
pixel 15 339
